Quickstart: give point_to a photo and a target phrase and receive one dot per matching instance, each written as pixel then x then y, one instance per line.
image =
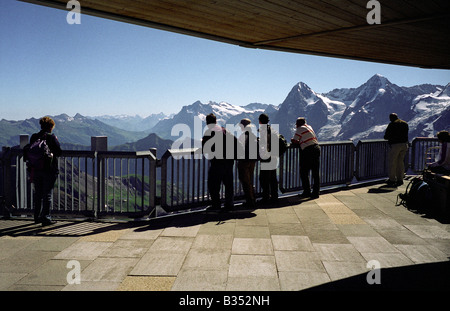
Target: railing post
pixel 7 193
pixel 351 169
pixel 24 139
pixel 164 178
pixel 22 178
pixel 99 144
pixel 152 182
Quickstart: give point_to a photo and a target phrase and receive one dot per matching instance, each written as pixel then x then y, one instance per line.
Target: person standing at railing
pixel 442 165
pixel 42 156
pixel 309 157
pixel 219 146
pixel 397 136
pixel 246 165
pixel 268 154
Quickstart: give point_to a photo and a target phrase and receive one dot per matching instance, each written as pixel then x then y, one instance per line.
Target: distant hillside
pixel 134 123
pixel 151 141
pixel 10 131
pixel 76 130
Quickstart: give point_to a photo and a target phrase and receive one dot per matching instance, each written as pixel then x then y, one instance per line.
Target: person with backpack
pixel 268 154
pixel 219 146
pixel 306 138
pixel 42 155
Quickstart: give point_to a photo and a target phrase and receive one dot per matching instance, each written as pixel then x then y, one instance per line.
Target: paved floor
pixel 329 243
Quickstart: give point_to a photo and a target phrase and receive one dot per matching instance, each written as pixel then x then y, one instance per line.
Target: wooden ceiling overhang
pixel 410 32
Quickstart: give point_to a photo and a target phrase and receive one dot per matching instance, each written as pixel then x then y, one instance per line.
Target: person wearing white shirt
pixel 309 157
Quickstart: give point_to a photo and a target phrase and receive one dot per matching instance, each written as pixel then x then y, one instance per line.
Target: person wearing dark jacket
pixel 43 178
pixel 268 152
pixel 397 136
pixel 219 147
pixel 246 164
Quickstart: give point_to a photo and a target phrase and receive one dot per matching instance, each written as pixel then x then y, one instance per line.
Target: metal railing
pixel 419 147
pixel 371 159
pixel 127 183
pixel 75 191
pixel 137 184
pixel 184 179
pixel 89 183
pixel 336 165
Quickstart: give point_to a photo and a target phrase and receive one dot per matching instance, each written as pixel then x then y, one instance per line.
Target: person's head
pixel 443 136
pixel 47 124
pixel 300 121
pixel 245 122
pixel 263 118
pixel 211 119
pixel 393 116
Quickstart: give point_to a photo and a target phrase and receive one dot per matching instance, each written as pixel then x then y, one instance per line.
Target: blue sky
pixel 48 67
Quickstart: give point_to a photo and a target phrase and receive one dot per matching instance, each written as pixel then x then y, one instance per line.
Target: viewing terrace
pixel 135 222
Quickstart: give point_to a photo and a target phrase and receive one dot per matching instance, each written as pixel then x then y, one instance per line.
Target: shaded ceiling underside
pixel 411 32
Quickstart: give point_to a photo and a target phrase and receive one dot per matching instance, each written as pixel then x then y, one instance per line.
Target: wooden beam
pixel 354 28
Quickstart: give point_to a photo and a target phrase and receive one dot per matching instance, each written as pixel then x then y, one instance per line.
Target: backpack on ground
pixel 38 154
pixel 417 196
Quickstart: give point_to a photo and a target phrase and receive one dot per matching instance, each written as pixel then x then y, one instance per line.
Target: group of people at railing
pixel 222 148
pixel 262 149
pixel 247 149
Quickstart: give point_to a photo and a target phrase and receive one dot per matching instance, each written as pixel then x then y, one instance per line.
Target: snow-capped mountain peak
pixel 445 92
pixel 363 112
pixel 341 114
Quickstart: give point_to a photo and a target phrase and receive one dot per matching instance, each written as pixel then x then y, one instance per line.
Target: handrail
pixel 103 183
pixel 139 196
pixel 336 165
pixel 88 183
pixel 371 159
pixel 418 158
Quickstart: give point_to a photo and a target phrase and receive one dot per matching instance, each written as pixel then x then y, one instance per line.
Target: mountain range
pixel 341 114
pixel 134 123
pixel 73 132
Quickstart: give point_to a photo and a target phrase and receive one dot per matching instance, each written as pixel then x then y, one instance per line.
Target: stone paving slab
pixel 295 246
pixel 146 283
pixel 196 279
pixel 291 243
pixel 51 273
pixel 159 264
pixel 342 269
pixel 108 269
pixel 252 246
pixel 253 283
pixel 244 266
pixel 295 281
pixel 83 250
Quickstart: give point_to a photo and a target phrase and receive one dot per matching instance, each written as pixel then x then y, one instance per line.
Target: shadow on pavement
pixel 419 277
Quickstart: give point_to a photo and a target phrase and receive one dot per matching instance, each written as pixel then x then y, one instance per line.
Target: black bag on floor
pixel 417 196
